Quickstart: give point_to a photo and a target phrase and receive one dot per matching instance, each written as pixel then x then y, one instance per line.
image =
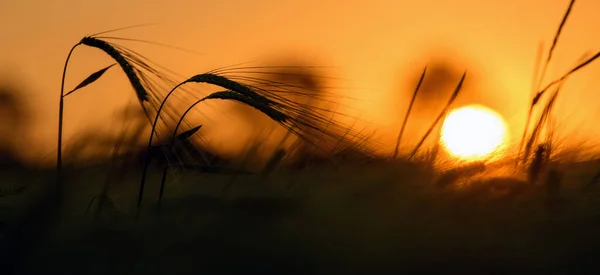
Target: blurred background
pixel 373 53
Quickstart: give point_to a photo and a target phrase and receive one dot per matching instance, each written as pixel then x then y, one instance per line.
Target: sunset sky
pixel 374 47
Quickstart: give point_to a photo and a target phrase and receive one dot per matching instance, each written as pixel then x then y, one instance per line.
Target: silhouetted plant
pixel 410 106
pixel 300 119
pixel 541 92
pixel 253 100
pixel 440 116
pixel 143 75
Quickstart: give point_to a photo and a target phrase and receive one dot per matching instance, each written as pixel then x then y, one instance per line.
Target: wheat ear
pixel 209 78
pixel 539 94
pixel 275 115
pixel 125 65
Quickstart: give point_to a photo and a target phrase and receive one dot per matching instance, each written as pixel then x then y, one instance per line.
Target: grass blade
pixel 90 79
pixel 185 135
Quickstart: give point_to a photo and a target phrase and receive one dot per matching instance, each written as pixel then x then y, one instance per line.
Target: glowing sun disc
pixel 473 132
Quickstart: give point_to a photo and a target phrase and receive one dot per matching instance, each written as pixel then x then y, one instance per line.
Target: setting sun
pixel 473 132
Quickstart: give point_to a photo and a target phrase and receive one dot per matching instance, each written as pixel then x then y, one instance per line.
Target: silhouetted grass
pixel 412 101
pixel 442 114
pixel 542 75
pixel 353 219
pixel 541 91
pixel 334 207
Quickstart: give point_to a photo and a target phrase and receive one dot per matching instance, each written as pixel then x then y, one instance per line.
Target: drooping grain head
pixel 311 124
pixel 141 92
pixel 263 107
pixel 232 86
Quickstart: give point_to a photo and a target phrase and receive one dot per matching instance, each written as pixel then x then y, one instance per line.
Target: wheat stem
pixel 412 102
pixel 440 116
pixel 226 95
pixel 209 78
pixel 543 74
pixel 152 132
pixel 170 144
pixel 60 128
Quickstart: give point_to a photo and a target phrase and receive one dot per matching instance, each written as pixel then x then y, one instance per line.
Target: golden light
pixel 473 132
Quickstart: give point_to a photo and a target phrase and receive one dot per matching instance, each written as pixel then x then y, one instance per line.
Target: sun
pixel 473 132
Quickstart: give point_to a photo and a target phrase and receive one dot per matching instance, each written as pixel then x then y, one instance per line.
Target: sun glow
pixel 473 132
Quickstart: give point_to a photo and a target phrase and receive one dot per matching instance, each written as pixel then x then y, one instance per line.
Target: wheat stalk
pixel 440 116
pixel 261 106
pixel 582 62
pixel 268 101
pixel 60 127
pixel 310 120
pixel 139 70
pixel 123 63
pixel 412 102
pixel 543 72
pixel 209 78
pixel 538 127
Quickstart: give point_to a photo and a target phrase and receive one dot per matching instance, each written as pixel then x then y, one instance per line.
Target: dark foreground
pixel 384 219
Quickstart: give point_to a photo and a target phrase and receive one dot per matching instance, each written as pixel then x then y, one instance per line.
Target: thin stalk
pixel 231 95
pixel 440 116
pixel 527 122
pixel 538 127
pixel 171 142
pixel 543 73
pixel 535 85
pixel 555 42
pixel 147 159
pixel 583 61
pixel 412 101
pixel 60 128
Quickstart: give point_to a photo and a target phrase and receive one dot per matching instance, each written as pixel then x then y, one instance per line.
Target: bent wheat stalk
pixel 93 42
pixel 152 132
pixel 60 127
pixel 252 101
pixel 209 78
pixel 136 67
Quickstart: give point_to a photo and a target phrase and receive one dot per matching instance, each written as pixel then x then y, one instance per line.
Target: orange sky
pixel 372 47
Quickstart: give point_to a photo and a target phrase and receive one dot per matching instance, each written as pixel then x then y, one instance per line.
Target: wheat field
pixel 310 193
